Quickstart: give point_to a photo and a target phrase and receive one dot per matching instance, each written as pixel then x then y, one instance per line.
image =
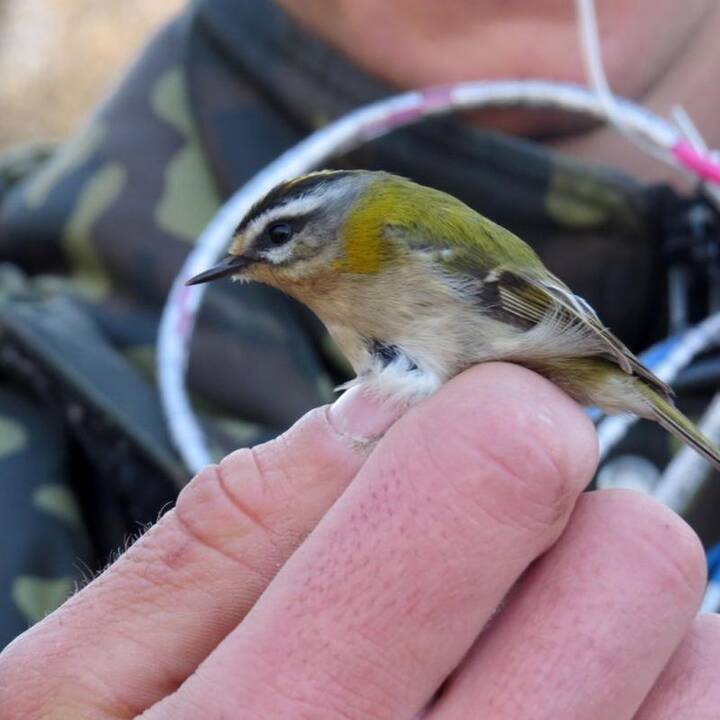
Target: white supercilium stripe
pixel 297 207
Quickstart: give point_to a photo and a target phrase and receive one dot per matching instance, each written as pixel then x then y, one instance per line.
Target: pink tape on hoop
pixel 428 100
pixel 701 165
pixel 183 320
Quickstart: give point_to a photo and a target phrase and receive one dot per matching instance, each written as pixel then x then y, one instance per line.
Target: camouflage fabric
pixel 92 238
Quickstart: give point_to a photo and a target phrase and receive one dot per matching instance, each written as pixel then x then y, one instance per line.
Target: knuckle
pixel 325 692
pixel 14 703
pixel 33 680
pixel 222 514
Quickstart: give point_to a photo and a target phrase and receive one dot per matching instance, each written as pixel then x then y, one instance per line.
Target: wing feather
pixel 536 299
pixel 510 279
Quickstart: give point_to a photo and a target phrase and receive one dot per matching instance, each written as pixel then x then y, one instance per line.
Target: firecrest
pixel 415 286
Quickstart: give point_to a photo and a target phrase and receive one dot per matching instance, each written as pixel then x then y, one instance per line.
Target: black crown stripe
pixel 290 190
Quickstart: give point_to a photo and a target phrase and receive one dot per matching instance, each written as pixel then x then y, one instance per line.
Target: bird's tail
pixel 670 418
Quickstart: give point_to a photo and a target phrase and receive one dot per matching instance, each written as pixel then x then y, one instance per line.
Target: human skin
pixel 345 570
pixel 659 53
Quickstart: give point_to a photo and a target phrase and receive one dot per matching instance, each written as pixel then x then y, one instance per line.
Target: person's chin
pixel 535 124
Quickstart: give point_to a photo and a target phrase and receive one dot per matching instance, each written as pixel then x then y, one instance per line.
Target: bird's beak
pixel 231 265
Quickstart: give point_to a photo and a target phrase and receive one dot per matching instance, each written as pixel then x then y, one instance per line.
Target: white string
pixel 688 128
pixel 592 57
pixel 597 80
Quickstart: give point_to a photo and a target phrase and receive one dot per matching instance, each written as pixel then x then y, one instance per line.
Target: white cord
pixel 688 128
pixel 592 57
pixel 597 80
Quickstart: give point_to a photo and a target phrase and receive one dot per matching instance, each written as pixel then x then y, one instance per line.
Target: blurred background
pixel 58 57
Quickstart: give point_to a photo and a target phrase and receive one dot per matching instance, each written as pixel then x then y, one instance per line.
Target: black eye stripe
pixel 295 222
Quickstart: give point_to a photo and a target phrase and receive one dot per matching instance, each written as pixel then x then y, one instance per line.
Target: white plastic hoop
pixel 347 133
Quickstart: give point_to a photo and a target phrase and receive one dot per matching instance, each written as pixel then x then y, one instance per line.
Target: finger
pixel 386 595
pixel 139 629
pixel 590 627
pixel 689 688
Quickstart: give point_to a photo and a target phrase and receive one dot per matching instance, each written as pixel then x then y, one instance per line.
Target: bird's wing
pixel 526 299
pixel 510 279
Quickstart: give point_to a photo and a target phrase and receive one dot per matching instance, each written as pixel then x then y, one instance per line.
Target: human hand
pixel 317 576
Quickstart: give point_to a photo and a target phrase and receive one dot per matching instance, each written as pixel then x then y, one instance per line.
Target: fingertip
pixel 361 416
pixel 665 540
pixel 546 406
pixel 519 404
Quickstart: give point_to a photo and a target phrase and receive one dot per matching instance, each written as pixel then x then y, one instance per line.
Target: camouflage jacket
pixel 92 238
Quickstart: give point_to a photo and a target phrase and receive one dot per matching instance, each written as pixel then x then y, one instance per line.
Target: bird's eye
pixel 279 233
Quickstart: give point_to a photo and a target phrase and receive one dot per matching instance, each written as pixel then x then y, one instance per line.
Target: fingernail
pixel 362 416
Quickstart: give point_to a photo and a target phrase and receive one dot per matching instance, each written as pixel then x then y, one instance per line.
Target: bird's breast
pixel 406 313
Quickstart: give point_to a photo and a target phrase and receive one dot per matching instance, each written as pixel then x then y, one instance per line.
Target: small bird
pixel 414 286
